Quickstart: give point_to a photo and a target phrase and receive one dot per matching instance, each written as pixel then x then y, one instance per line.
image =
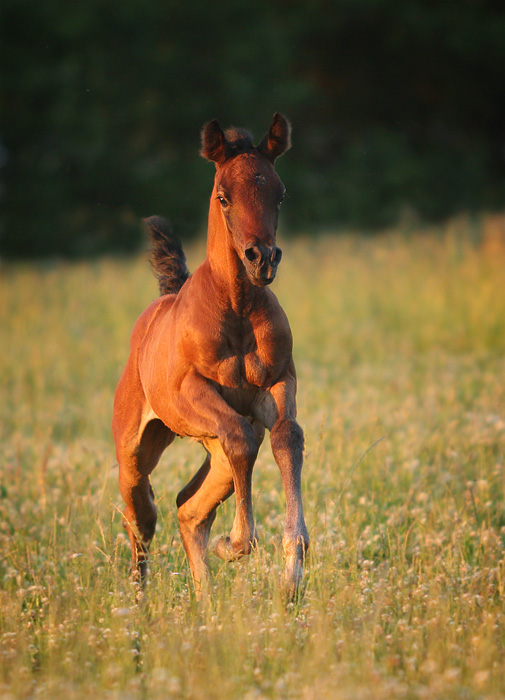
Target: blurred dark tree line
pixel 397 106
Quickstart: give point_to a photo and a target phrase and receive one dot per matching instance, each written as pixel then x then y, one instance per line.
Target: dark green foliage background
pixel 397 108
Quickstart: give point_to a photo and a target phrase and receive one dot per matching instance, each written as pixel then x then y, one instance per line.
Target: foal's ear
pixel 278 139
pixel 214 144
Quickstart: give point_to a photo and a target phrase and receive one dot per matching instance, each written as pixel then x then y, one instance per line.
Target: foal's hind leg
pixel 197 504
pixel 137 459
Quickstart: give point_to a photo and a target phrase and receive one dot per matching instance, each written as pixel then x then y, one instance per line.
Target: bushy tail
pixel 167 257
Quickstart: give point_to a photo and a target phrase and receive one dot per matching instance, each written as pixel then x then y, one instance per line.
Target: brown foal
pixel 212 359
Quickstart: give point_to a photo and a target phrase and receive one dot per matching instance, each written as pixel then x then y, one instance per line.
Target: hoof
pixel 223 548
pixel 138 573
pixel 293 589
pixel 292 580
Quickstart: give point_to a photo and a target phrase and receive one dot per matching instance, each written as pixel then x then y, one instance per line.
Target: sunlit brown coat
pixel 212 359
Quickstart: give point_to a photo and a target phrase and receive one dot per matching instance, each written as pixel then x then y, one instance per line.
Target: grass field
pixel 400 350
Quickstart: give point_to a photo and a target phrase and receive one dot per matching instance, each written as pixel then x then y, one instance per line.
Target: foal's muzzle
pixel 261 263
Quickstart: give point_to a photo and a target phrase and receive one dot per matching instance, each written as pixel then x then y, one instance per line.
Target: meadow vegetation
pixel 400 351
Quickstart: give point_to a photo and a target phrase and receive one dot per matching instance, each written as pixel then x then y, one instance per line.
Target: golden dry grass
pixel 400 349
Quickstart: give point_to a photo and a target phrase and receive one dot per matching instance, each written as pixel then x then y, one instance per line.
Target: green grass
pixel 400 351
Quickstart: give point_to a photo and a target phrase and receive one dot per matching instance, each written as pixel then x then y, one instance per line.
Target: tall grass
pixel 400 351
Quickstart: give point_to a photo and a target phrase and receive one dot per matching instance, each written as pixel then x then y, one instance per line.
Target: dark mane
pixel 239 140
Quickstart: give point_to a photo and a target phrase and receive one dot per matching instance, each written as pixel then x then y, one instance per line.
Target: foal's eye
pixel 281 199
pixel 223 202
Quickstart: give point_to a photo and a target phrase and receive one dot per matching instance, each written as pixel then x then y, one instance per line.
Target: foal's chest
pixel 241 378
pixel 244 368
pixel 244 355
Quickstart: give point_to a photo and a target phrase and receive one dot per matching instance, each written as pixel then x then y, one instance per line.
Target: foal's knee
pixel 286 433
pixel 240 443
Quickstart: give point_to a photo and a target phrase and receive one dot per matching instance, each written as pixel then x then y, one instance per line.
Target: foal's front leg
pixel 243 533
pixel 233 443
pixel 287 446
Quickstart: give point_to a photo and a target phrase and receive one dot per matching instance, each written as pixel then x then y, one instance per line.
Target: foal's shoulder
pixel 273 304
pixel 272 313
pixel 156 309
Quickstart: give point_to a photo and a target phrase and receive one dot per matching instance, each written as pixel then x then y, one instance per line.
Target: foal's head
pixel 249 192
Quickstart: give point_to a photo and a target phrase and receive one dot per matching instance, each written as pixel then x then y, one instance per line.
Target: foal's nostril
pixel 264 258
pixel 276 255
pixel 253 254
